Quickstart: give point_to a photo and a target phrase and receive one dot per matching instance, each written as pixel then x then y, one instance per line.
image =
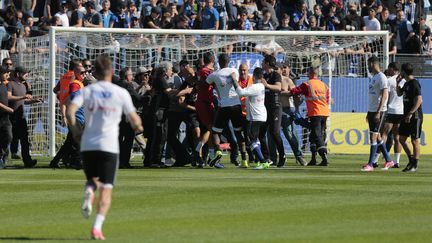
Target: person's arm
pixel 6 108
pixel 400 82
pixel 33 5
pixel 18 98
pixel 71 110
pixel 152 25
pixel 300 90
pixel 216 16
pixel 273 87
pixel 383 100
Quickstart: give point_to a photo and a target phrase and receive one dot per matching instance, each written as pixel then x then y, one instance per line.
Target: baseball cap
pixel 21 69
pixel 143 70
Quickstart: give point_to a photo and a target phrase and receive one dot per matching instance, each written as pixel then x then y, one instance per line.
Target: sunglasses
pixel 87 66
pixel 9 64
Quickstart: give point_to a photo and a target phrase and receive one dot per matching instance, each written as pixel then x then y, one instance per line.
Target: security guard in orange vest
pixel 317 97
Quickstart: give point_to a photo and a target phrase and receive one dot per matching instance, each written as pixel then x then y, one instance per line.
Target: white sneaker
pixel 86 208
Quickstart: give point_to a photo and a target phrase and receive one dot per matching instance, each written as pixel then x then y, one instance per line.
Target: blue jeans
pixel 288 130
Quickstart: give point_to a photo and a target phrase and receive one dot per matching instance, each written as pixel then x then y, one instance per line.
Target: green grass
pixel 294 204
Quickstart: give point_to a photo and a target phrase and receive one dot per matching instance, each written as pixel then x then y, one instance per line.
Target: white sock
pixel 396 158
pixel 99 222
pixel 199 147
pixel 377 156
pixel 211 153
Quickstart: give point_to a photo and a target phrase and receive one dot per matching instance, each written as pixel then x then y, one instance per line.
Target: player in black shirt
pixel 411 125
pixel 273 84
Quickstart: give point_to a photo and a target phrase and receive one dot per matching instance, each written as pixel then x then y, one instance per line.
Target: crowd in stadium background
pixel 404 19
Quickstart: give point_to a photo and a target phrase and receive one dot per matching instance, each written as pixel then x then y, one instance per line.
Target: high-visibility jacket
pixel 243 84
pixel 63 93
pixel 316 94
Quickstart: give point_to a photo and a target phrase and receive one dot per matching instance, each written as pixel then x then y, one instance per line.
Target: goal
pixel 342 56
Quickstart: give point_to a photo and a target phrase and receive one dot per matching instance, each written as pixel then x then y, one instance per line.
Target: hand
pixel 408 118
pixel 86 23
pixel 27 97
pixel 188 90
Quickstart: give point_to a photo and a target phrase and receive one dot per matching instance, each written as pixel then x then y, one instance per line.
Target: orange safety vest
pixel 316 98
pixel 63 93
pixel 243 99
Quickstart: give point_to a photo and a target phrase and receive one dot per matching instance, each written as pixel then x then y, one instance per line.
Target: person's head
pixel 74 63
pixel 407 70
pixel 400 15
pixel 87 64
pixel 269 62
pixel 372 13
pixel 373 64
pixel 26 31
pixel 183 21
pixel 385 13
pixel 243 71
pixel 80 73
pixel 392 69
pixel 29 21
pixel 266 15
pixel 243 14
pixel 172 9
pixel 132 7
pixel 155 12
pixel 21 73
pixel 165 69
pixel 90 7
pixel 4 74
pixel 184 65
pixel 317 10
pixel 286 69
pixel 103 68
pixel 313 72
pixel 208 58
pixel 312 21
pixel 143 75
pixel 7 64
pixel 224 60
pixel 106 5
pixel 126 74
pixel 209 3
pixel 303 6
pixel 56 21
pixel 258 74
pixel 19 15
pixel 285 20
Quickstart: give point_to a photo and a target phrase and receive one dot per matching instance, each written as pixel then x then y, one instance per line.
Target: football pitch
pixel 294 204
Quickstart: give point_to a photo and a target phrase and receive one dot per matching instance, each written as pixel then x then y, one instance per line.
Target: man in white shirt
pixel 104 104
pixel 256 113
pixel 378 94
pixel 394 114
pixel 229 107
pixel 371 22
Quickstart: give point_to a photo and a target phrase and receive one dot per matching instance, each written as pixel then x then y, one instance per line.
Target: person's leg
pixel 289 132
pixel 397 147
pixel 25 144
pixel 174 121
pixel 275 128
pixel 158 142
pixel 263 138
pixel 126 146
pixel 15 135
pixel 5 139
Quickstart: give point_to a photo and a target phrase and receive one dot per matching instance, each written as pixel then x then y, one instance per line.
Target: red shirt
pixel 205 91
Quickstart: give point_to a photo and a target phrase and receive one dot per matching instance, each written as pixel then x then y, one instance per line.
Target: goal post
pixel 342 56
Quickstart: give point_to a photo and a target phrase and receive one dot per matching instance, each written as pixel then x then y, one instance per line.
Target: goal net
pixel 342 56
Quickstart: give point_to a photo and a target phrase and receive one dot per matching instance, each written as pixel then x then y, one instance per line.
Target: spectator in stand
pixel 300 17
pixel 108 17
pixel 265 22
pixel 153 20
pixel 371 22
pixel 77 16
pixel 26 6
pixel 182 23
pixel 92 19
pixel 367 4
pixel 425 39
pixel 62 14
pixel 133 11
pixel 269 6
pixel 285 23
pixel 188 7
pixel 352 20
pixel 244 22
pixel 250 7
pixel 121 19
pixel 333 19
pixel 8 30
pixel 7 64
pixel 384 20
pixel 404 31
pixel 167 21
pixel 413 11
pixel 52 7
pixel 209 16
pixel 135 23
pixel 320 19
pixel 172 9
pixel 313 24
pixel 146 10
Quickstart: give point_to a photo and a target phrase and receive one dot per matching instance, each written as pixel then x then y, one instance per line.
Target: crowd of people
pixel 404 19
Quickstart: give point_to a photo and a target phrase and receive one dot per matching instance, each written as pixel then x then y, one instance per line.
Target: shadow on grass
pixel 24 238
